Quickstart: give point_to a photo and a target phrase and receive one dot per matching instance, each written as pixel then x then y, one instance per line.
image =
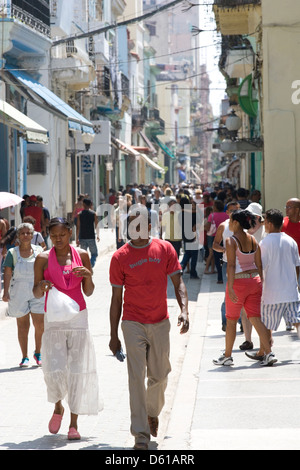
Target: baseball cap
pixel 255 209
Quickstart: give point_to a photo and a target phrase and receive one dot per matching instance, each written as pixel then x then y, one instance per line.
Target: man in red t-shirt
pixel 35 212
pixel 142 267
pixel 291 223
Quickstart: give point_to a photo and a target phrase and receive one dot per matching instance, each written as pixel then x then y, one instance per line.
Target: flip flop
pixel 55 423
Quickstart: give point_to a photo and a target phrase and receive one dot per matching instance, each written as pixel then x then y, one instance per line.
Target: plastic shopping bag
pixel 60 307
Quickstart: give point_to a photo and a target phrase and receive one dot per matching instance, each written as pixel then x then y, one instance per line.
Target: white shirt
pixel 226 234
pixel 280 256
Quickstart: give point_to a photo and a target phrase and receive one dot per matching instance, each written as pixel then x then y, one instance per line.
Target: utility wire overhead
pixel 104 29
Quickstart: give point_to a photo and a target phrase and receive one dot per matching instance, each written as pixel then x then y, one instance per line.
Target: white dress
pixel 69 364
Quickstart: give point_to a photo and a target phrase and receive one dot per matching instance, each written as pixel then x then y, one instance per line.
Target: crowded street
pixel 149 227
pixel 245 407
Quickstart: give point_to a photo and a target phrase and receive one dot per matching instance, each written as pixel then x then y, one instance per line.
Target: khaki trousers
pixel 148 350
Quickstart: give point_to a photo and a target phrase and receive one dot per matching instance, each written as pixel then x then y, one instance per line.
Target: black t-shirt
pixel 87 224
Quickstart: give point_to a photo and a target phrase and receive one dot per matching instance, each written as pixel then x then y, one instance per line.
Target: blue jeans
pixel 193 256
pixel 90 243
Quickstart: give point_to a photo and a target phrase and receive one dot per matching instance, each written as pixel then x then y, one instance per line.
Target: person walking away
pixel 190 254
pixel 142 267
pixel 69 363
pixel 17 292
pixel 244 286
pixel 87 224
pixel 216 218
pixel 171 225
pixel 259 233
pixel 219 245
pixel 242 197
pixel 281 262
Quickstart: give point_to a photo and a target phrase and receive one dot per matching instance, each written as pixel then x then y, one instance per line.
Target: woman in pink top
pixel 244 287
pixel 69 363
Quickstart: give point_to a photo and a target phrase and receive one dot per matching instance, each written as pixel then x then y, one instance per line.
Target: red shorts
pixel 248 292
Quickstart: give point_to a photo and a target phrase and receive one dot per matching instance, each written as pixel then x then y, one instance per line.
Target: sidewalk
pixel 207 407
pixel 244 407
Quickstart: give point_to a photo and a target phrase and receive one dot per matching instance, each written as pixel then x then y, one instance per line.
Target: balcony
pixel 237 16
pixel 71 64
pixel 35 14
pixel 110 97
pixel 25 32
pixel 155 125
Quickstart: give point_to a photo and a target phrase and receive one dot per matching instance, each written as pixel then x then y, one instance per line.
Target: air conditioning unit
pixel 37 163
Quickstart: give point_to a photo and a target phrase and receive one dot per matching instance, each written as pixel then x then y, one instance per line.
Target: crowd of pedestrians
pixel 255 254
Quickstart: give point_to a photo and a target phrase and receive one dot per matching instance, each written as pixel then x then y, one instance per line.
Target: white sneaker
pixel 223 361
pixel 269 360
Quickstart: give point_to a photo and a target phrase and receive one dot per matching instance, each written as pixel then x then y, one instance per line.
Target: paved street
pixel 243 407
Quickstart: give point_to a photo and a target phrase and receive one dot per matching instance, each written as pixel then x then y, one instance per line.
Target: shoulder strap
pixel 237 241
pixel 16 255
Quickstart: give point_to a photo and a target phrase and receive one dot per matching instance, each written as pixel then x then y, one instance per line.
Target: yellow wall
pixel 281 117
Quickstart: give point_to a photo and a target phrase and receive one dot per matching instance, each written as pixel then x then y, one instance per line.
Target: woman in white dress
pixel 69 362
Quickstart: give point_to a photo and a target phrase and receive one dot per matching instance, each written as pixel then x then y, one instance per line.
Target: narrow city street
pixel 241 407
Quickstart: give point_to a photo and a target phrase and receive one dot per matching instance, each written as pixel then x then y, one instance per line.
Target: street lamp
pixel 233 122
pixel 88 139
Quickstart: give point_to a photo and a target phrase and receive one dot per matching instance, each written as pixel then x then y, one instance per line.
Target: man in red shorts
pixel 142 267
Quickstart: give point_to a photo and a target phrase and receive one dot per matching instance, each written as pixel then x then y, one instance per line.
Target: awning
pixel 164 148
pixel 148 142
pixel 152 163
pixel 126 148
pixel 12 117
pixel 221 170
pixel 76 121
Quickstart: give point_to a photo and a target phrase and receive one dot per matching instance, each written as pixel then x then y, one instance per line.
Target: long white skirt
pixel 70 372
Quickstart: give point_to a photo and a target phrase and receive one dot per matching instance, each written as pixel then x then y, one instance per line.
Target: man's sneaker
pixel 223 361
pixel 269 360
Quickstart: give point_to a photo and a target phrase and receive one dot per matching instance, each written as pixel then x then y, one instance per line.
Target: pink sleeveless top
pixel 244 261
pixel 63 279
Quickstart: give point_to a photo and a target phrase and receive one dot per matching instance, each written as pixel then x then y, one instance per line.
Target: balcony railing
pixel 236 3
pixel 36 17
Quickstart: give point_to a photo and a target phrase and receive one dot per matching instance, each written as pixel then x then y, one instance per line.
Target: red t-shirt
pixel 36 213
pixel 292 229
pixel 144 274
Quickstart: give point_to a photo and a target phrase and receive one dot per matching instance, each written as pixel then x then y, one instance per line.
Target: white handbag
pixel 60 307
